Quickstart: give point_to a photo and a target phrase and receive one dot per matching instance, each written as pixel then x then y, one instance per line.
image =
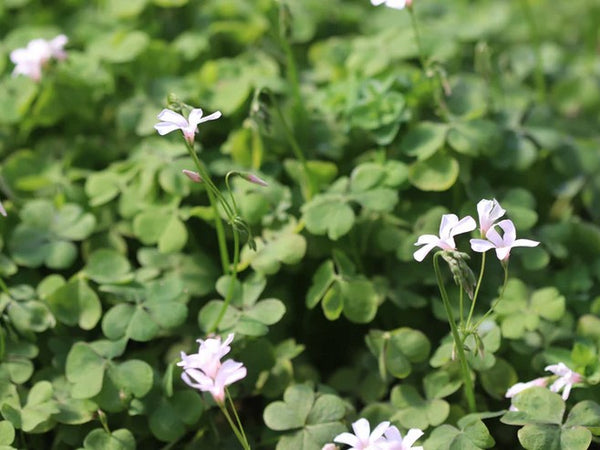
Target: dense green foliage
pixel 111 263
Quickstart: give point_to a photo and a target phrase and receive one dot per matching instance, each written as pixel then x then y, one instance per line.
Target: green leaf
pixel 536 405
pixel 100 439
pixel 75 303
pixel 293 411
pixel 321 281
pixel 174 415
pixel 548 303
pixel 133 376
pixel 85 370
pixel 360 300
pixel 438 173
pixel 7 433
pixel 585 413
pixel 108 266
pixel 424 140
pixel 415 412
pixel 328 215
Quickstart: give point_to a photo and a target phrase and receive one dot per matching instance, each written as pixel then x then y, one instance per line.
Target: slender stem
pixel 235 414
pixel 540 82
pixel 213 203
pixel 466 373
pixel 495 304
pixel 232 280
pixel 291 67
pixel 461 308
pixel 481 270
pixel 233 426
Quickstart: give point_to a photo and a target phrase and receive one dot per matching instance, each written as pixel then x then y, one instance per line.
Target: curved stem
pixel 466 373
pixel 481 270
pixel 234 428
pixel 237 417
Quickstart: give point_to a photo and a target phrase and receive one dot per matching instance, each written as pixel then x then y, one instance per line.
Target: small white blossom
pixel 449 227
pixel 520 387
pixel 567 378
pixel 395 441
pixel 489 211
pixel 171 121
pixel 502 244
pixel 204 370
pixel 30 60
pixel 363 438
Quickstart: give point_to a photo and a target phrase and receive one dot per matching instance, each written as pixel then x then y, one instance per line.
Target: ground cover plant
pixel 299 225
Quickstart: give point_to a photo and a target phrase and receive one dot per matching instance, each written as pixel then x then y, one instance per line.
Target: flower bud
pixel 194 176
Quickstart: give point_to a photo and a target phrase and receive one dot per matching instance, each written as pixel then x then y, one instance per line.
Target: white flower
pixel 396 4
pixel 489 211
pixel 502 244
pixel 30 60
pixel 208 358
pixel 567 378
pixel 172 121
pixel 57 45
pixel 227 373
pixel 394 440
pixel 449 227
pixel 520 387
pixel 363 439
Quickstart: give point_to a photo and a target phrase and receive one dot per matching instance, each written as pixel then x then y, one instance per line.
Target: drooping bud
pixel 253 178
pixel 194 176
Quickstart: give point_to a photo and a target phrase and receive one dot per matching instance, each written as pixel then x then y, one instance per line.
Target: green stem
pixel 291 68
pixel 495 304
pixel 4 287
pixel 466 373
pixel 232 280
pixel 237 417
pixel 481 270
pixel 540 82
pixel 213 203
pixel 233 426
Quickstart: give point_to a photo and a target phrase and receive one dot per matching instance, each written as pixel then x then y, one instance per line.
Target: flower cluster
pixel 565 381
pixel 30 60
pixel 171 121
pixel 489 212
pixel 383 437
pixel 205 371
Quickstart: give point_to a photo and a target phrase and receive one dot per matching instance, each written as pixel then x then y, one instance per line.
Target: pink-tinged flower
pixel 489 211
pixel 520 387
pixel 396 4
pixel 194 176
pixel 330 446
pixel 449 227
pixel 2 210
pixel 253 179
pixel 567 378
pixel 363 439
pixel 172 121
pixel 227 373
pixel 208 358
pixel 57 45
pixel 395 441
pixel 30 60
pixel 502 244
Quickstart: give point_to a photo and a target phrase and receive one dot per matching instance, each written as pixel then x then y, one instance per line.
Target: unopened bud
pixel 253 179
pixel 461 272
pixel 194 176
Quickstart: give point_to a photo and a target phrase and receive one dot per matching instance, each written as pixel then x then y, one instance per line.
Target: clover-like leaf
pixel 24 311
pixel 173 416
pixel 437 173
pixel 328 214
pixel 312 418
pixel 160 226
pixel 7 434
pixel 100 439
pixel 46 233
pixel 472 434
pixel 155 308
pixel 35 416
pixel 396 350
pixel 424 139
pixel 108 266
pixel 413 411
pixel 75 303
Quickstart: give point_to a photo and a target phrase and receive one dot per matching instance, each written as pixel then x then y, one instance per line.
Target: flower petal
pixel 166 127
pixel 448 222
pixel 481 245
pixel 464 225
pixel 362 429
pixel 420 254
pixel 347 438
pixel 214 116
pixel 525 243
pixel 167 115
pixel 379 430
pixel 510 233
pixel 411 437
